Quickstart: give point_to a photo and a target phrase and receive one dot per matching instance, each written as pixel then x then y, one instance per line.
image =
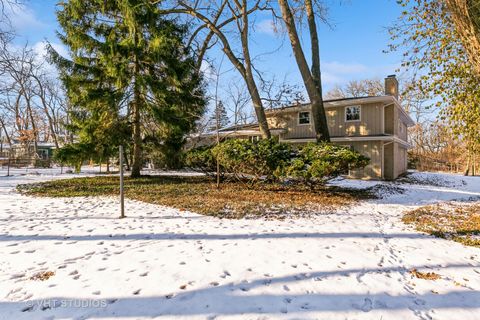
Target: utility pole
pixel 122 199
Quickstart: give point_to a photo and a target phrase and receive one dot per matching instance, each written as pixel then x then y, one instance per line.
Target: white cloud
pixel 331 79
pixel 266 27
pixel 23 18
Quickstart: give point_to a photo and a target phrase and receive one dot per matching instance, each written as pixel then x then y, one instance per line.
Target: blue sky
pixel 352 49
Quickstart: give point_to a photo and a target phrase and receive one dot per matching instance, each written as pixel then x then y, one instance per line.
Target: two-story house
pixel 376 126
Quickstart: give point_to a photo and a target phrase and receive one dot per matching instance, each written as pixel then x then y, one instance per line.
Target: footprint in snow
pixel 367 305
pixel 97 293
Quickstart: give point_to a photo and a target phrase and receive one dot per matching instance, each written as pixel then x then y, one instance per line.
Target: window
pixel 352 113
pixel 304 118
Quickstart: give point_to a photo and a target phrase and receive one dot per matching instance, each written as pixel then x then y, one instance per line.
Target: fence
pixel 426 163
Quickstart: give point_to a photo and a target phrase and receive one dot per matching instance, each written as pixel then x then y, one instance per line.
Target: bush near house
pixel 201 159
pixel 317 163
pixel 253 160
pixel 271 161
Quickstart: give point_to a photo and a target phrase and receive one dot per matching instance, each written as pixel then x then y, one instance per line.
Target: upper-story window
pixel 352 113
pixel 304 117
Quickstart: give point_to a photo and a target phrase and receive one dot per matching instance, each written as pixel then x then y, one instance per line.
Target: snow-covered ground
pixel 166 264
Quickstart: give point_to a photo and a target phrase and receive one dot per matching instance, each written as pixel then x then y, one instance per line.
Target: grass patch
pixel 454 221
pixel 199 194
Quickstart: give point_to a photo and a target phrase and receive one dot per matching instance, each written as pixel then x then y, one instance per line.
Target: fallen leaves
pixel 425 275
pixel 200 195
pixel 459 222
pixel 42 275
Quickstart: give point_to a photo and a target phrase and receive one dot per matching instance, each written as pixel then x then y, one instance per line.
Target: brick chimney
pixel 391 86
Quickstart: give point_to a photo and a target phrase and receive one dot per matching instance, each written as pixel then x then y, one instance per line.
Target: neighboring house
pixel 21 154
pixel 376 126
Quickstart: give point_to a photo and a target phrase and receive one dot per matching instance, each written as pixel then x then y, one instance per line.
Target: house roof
pixel 328 104
pixel 305 104
pixel 387 99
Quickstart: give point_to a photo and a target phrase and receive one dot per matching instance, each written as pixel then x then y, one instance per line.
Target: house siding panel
pixel 370 123
pixel 373 150
pixel 389 119
pixel 400 160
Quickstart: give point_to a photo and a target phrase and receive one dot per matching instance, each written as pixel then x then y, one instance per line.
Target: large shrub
pixel 201 159
pixel 254 160
pixel 316 163
pixel 73 154
pixel 270 160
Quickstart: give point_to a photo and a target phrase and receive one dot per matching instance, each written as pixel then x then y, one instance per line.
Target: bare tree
pixel 281 93
pixel 357 88
pixel 32 104
pixel 311 76
pixel 216 18
pixel 238 99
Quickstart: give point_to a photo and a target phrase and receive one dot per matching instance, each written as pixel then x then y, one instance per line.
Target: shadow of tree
pixel 201 236
pixel 244 298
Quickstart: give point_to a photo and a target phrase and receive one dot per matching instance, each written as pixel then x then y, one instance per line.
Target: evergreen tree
pixel 219 118
pixel 129 66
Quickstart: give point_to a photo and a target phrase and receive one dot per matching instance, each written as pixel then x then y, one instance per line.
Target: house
pixel 376 126
pixel 21 154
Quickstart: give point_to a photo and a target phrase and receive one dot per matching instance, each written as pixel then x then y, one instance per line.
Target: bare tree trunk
pixel 318 109
pixel 34 126
pixel 312 79
pixel 474 163
pixel 136 105
pixel 137 139
pixel 125 157
pixel 42 95
pixel 251 85
pixel 464 13
pixel 467 170
pixel 6 132
pixel 245 69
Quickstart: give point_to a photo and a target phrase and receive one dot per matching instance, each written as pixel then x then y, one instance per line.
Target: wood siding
pixel 370 123
pixel 373 150
pixel 400 160
pixel 388 159
pixel 389 119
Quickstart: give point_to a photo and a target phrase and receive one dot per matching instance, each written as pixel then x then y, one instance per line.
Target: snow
pixel 164 263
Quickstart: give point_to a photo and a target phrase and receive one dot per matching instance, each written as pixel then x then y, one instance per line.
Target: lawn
pixel 200 195
pixel 455 221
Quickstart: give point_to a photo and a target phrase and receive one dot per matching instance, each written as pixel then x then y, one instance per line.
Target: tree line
pixel 134 72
